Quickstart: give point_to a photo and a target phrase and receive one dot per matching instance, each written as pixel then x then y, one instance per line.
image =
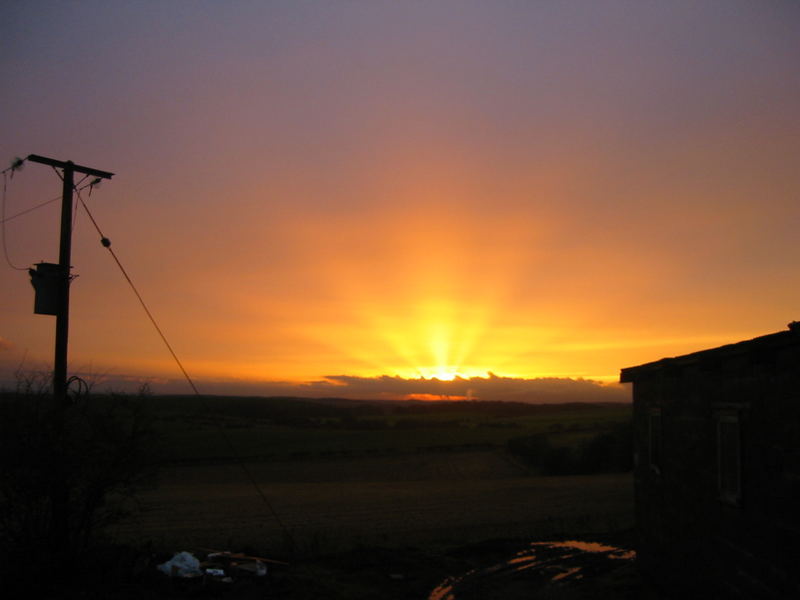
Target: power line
pixel 107 244
pixel 38 206
pixel 16 165
pixel 31 209
pixel 3 233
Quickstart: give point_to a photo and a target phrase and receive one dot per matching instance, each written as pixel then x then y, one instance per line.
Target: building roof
pixel 772 341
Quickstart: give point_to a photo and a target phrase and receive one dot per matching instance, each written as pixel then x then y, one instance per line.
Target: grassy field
pixel 196 431
pixel 364 500
pixel 207 507
pixel 340 477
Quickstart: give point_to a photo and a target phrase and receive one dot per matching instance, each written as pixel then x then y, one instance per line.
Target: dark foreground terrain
pixel 491 569
pixel 365 501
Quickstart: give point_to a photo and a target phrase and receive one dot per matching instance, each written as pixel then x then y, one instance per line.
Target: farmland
pixel 347 492
pixel 340 475
pixel 276 429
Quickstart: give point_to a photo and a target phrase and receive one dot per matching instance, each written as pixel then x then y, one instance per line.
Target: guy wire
pixel 107 244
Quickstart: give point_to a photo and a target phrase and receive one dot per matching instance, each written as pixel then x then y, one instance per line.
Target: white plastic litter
pixel 183 564
pixel 261 569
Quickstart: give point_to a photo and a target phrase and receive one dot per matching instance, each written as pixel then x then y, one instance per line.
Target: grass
pixel 338 530
pixel 356 527
pixel 366 500
pixel 364 494
pixel 359 472
pixel 332 506
pixel 191 432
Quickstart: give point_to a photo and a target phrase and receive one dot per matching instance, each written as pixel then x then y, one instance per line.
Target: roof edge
pixel 778 339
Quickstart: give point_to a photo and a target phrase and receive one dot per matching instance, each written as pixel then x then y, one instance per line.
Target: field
pixel 462 500
pixel 276 429
pixel 362 499
pixel 337 476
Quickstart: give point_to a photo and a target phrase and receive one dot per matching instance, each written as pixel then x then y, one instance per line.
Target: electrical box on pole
pixel 46 278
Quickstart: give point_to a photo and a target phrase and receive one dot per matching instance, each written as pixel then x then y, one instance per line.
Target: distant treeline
pixel 608 452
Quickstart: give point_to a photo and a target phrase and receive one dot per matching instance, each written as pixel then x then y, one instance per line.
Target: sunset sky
pixel 340 197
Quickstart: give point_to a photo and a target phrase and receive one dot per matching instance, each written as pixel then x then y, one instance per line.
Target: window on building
pixel 729 458
pixel 655 444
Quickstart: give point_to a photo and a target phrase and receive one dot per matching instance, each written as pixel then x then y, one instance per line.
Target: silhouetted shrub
pixel 608 452
pixel 604 453
pixel 67 473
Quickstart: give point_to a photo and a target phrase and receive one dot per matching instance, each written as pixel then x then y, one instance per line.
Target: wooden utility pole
pixel 65 250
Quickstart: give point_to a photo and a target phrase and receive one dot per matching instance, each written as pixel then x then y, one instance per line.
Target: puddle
pixel 540 564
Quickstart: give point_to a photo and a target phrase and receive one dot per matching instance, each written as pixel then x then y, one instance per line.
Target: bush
pixel 608 452
pixel 68 473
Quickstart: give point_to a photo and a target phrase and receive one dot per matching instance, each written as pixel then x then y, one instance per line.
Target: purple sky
pixel 405 189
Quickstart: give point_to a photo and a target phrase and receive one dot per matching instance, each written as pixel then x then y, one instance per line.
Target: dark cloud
pixel 545 390
pixel 510 389
pixel 493 387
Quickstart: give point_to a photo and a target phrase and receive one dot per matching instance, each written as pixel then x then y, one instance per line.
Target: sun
pixel 445 374
pixel 442 373
pixel 449 372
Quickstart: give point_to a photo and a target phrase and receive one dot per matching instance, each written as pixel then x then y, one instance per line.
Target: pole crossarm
pixel 69 165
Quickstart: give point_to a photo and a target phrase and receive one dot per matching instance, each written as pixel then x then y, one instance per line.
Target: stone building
pixel 717 468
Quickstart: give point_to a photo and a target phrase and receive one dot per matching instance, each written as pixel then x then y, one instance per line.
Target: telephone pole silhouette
pixel 65 251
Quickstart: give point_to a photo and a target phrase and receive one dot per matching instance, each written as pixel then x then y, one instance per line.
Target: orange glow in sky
pixel 412 190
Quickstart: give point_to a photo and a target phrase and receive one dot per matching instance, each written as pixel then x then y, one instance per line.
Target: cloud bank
pixel 549 390
pixel 510 389
pixel 542 390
